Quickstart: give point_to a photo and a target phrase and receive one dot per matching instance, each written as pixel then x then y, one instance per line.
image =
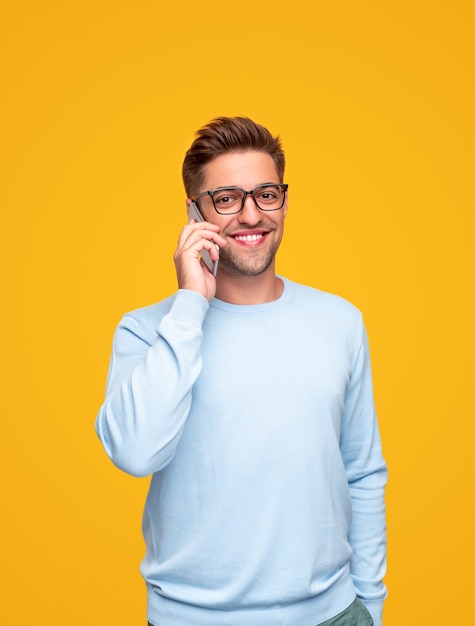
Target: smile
pixel 249 238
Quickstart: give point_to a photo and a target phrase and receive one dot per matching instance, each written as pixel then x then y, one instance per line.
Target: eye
pixel 226 197
pixel 268 195
pixel 223 199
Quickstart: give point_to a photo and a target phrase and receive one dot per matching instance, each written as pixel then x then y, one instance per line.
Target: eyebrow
pixel 270 182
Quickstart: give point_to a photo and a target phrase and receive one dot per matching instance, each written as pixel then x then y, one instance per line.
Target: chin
pixel 232 266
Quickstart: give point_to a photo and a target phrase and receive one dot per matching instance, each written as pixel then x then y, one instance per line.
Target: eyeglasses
pixel 230 200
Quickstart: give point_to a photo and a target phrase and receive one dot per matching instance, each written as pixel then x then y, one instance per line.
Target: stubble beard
pixel 234 263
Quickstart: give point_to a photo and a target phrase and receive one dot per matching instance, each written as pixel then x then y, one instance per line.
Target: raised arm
pixel 151 374
pixel 155 361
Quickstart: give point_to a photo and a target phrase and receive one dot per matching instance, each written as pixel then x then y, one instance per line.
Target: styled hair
pixel 228 134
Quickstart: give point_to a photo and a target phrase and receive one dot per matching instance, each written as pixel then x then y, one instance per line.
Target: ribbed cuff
pixel 376 610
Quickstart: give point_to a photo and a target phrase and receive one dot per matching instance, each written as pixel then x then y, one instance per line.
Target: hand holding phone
pixel 195 214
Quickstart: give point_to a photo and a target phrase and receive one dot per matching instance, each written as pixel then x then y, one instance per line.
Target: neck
pixel 266 287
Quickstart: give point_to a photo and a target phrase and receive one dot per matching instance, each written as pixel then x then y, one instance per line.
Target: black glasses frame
pixel 211 193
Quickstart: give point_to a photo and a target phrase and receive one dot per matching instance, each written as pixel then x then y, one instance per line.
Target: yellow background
pixel 375 104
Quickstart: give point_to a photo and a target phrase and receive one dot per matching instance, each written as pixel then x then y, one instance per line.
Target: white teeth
pixel 248 237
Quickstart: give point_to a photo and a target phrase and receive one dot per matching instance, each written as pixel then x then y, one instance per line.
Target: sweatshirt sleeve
pixel 367 474
pixel 148 393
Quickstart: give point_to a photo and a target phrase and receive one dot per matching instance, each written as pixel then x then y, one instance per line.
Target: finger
pixel 189 236
pixel 194 246
pixel 195 226
pixel 204 244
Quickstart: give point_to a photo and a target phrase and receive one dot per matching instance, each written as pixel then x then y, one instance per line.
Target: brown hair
pixel 228 134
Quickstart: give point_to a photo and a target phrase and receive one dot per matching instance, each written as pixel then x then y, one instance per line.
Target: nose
pixel 250 213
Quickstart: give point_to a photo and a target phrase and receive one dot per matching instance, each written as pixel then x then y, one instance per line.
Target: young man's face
pixel 253 235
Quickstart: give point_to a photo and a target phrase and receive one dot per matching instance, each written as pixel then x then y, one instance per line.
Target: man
pixel 249 399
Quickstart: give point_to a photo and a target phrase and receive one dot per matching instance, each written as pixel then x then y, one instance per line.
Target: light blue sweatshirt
pixel 266 505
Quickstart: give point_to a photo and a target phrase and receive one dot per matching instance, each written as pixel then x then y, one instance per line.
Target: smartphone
pixel 207 260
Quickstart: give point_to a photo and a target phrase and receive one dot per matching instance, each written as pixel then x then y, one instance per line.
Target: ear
pixel 188 204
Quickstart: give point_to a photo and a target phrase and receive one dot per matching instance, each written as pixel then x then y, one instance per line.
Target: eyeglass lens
pixel 267 198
